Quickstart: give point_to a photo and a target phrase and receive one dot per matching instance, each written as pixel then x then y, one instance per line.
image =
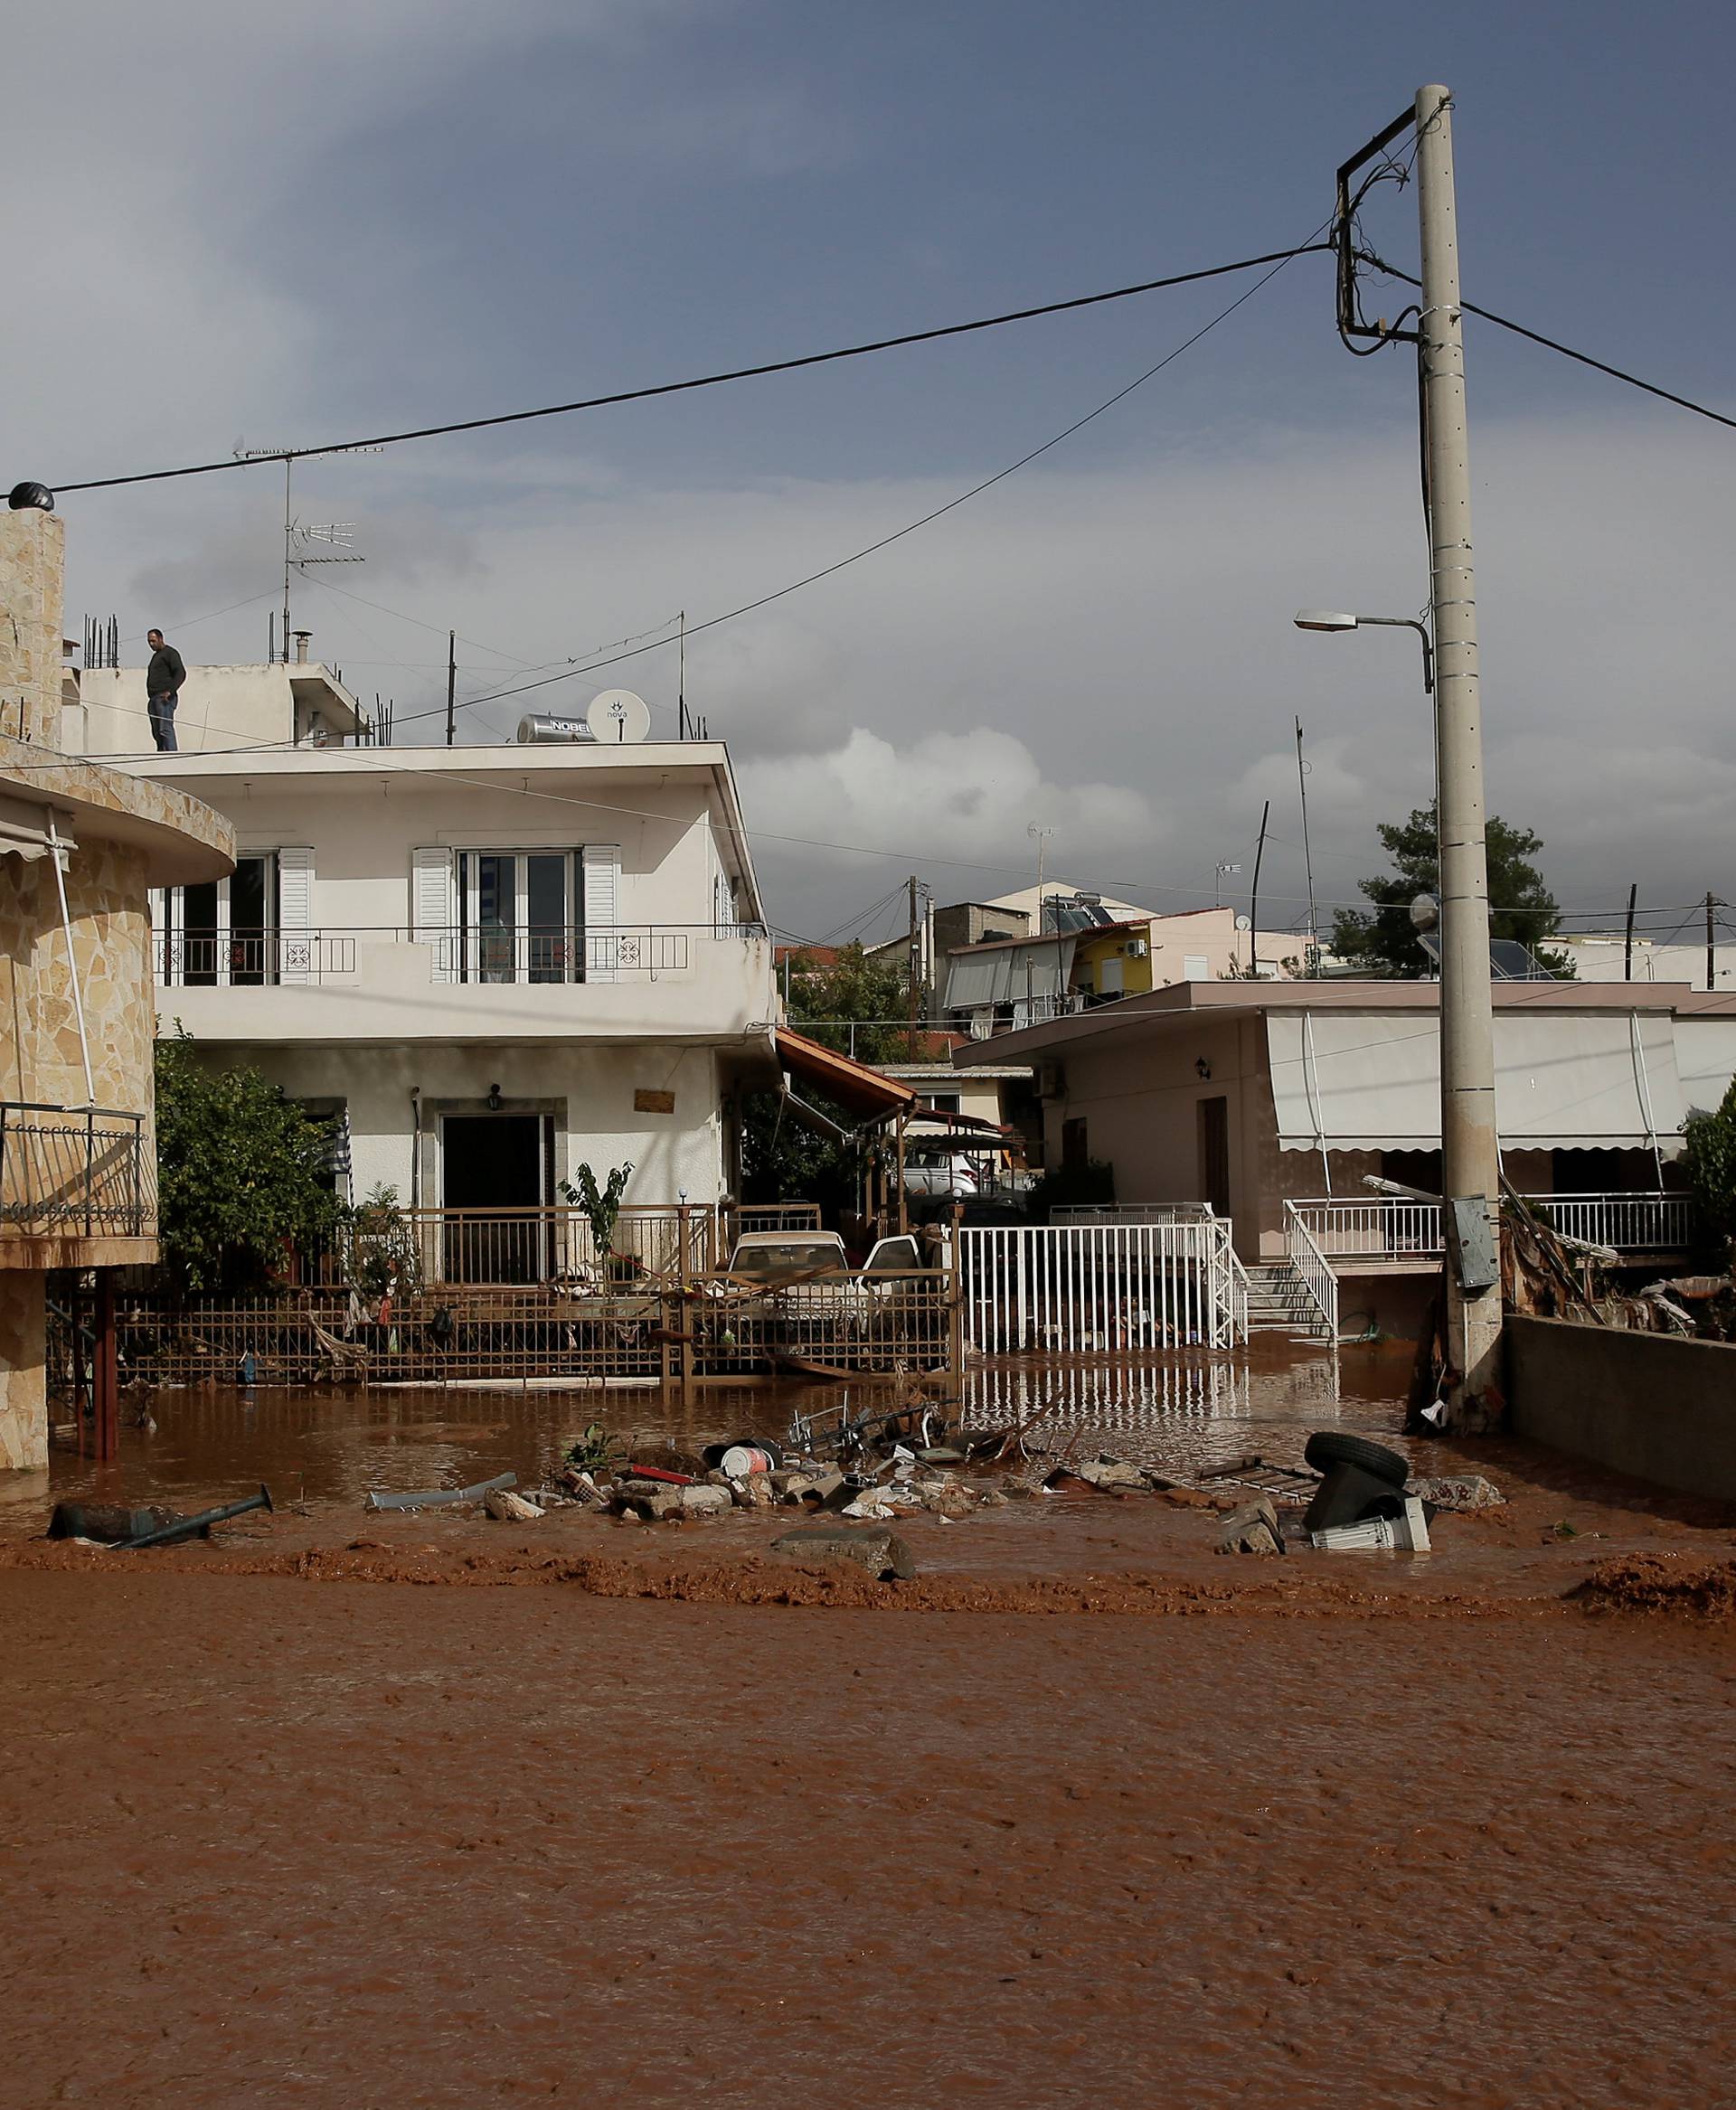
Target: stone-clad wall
pixel 40 1059
pixel 32 557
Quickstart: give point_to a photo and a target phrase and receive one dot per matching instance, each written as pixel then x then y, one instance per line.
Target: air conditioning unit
pixel 1138 948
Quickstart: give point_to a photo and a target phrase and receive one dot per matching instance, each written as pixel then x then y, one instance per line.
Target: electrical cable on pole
pixel 451 687
pixel 705 380
pixel 1312 968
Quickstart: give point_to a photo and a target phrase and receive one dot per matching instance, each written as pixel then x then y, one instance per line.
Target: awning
pixel 1004 974
pixel 1361 1080
pixel 24 830
pixel 1705 1061
pixel 867 1093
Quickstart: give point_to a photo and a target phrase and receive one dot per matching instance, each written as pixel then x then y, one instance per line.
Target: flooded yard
pixel 327 1449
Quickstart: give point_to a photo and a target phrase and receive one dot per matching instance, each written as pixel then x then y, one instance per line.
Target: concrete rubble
pixel 1458 1491
pixel 1253 1528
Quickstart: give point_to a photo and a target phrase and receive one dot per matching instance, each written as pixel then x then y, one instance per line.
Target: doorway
pixel 501 1166
pixel 1215 1155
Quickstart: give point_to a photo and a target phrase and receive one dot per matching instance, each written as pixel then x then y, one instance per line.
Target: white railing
pixel 1085 1289
pixel 1385 1227
pixel 1130 1212
pixel 1390 1227
pixel 1311 1268
pixel 1238 1279
pixel 1631 1224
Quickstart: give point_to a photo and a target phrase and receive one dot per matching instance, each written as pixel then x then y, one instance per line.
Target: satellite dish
pixel 1242 923
pixel 619 716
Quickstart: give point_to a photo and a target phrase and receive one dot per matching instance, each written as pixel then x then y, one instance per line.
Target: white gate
pixel 1085 1289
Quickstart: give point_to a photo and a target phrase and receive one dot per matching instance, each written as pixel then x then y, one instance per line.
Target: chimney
pixel 302 638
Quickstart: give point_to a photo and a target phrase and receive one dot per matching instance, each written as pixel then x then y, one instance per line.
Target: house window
pixel 223 933
pixel 942 1102
pixel 522 916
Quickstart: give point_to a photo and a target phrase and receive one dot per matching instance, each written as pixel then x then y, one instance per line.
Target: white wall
pixel 221 708
pixel 594 1085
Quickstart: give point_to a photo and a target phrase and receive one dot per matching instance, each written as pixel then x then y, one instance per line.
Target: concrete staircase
pixel 1278 1301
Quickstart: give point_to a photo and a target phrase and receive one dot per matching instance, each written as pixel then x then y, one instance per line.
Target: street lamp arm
pixel 1421 629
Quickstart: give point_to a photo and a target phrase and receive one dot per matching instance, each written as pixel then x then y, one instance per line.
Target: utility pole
pixel 1253 899
pixel 1627 952
pixel 1470 1151
pixel 1312 966
pixel 914 963
pixel 1712 959
pixel 451 686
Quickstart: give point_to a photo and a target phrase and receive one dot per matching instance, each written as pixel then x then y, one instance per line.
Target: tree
pixel 850 987
pixel 1709 1159
pixel 242 1172
pixel 1385 943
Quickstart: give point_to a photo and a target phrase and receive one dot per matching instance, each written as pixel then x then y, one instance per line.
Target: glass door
pixel 519 917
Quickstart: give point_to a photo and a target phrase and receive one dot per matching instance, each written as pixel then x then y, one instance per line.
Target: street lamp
pixel 1330 619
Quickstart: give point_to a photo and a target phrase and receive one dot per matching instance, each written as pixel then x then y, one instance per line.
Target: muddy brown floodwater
pixel 1130 1825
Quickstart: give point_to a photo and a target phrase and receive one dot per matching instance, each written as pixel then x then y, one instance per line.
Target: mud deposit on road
pixel 418 1809
pixel 270 1844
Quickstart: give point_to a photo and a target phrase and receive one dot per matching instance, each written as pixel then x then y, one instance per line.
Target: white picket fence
pixel 1098 1289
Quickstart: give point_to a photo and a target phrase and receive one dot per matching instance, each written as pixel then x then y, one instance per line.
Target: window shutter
pixel 295 939
pixel 434 909
pixel 602 910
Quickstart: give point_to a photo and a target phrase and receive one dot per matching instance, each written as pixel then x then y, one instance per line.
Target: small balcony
pixel 74 1173
pixel 465 982
pixel 1388 1229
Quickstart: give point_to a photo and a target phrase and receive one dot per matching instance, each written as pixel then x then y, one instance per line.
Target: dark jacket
pixel 165 672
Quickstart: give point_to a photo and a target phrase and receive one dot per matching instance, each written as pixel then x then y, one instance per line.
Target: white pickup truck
pixel 810 1276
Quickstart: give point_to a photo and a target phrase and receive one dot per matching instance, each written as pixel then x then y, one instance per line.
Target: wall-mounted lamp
pixel 494 1098
pixel 1203 1069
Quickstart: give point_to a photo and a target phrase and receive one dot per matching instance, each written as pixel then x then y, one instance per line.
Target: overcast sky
pixel 258 227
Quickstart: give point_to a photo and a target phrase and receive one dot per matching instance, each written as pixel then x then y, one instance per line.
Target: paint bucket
pixel 714 1456
pixel 741 1459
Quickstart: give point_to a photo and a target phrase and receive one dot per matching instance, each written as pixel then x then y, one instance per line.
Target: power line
pixel 1651 387
pixel 706 380
pixel 813 578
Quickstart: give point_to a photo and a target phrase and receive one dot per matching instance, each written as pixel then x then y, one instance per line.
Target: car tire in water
pixel 1326 1448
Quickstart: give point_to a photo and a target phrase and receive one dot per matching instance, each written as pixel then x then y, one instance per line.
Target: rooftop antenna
pixel 1041 836
pixel 681 676
pixel 291 527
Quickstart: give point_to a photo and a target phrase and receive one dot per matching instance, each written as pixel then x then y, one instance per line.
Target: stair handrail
pixel 1311 1268
pixel 1238 1291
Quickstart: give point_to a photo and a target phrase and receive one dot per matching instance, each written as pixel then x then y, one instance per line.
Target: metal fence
pixel 711 1328
pixel 433 1248
pixel 1130 1212
pixel 76 1172
pixel 1075 1289
pixel 1397 1227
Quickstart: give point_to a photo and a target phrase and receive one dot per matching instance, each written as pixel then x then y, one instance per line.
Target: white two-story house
pixel 485 965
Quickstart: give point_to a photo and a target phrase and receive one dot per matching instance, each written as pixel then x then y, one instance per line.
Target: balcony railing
pixel 432 1248
pixel 487 954
pixel 1397 1228
pixel 75 1171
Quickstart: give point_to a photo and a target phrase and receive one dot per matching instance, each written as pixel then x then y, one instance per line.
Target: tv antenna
pixel 292 528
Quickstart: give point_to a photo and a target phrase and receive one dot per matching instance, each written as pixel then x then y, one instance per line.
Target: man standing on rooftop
pixel 162 680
